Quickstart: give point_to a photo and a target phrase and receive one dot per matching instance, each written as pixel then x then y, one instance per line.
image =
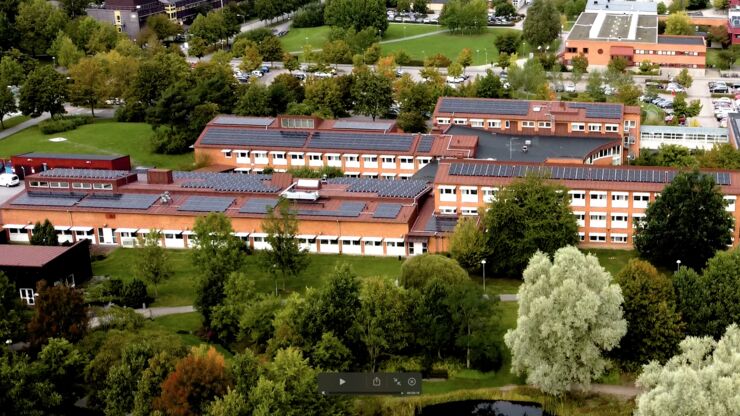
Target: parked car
pixel 264 69
pixel 607 89
pixel 257 73
pixel 673 87
pixel 299 75
pixel 9 179
pixel 569 86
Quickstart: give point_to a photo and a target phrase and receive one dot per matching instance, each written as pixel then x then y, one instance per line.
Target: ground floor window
pixel 27 296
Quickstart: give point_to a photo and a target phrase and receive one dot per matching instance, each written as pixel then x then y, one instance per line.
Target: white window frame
pixel 611 128
pixel 577 127
pixel 619 238
pixel 599 238
pixel 731 199
pixel 640 200
pixel 448 210
pixel 476 122
pixel 527 124
pixel 447 193
pixel 443 120
pixel 594 127
pixel 27 295
pixel 544 124
pixel 494 124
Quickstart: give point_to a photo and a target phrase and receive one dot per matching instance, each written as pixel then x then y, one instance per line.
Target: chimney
pixel 159 176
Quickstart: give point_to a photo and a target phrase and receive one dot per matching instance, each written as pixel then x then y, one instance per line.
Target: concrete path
pixel 383 42
pixel 103 113
pixel 152 313
pixel 508 297
pixel 26 124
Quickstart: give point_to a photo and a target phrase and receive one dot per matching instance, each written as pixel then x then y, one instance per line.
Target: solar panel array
pixel 84 173
pixel 258 205
pixel 425 144
pixel 347 209
pixel 49 199
pixel 243 121
pixel 359 141
pixel 362 125
pixel 387 211
pixel 440 224
pixel 599 110
pixel 119 201
pixel 389 188
pixel 244 137
pixel 226 182
pixel 576 173
pixel 206 204
pixel 482 106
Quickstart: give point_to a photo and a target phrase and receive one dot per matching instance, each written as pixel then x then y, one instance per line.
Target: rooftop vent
pixel 536 108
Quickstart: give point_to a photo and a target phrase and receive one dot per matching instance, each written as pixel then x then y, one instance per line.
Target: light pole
pixel 483 267
pixel 486 51
pixel 678 264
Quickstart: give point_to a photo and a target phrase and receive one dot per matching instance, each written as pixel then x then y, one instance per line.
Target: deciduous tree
pixel 12 314
pixel 60 312
pixel 90 86
pixel 508 42
pixel 285 256
pixel 7 103
pixel 162 26
pixel 678 24
pixel 373 93
pixel 416 271
pixel 570 313
pixel 468 244
pixel 357 14
pixel 45 90
pixel 44 234
pixel 380 319
pixel 38 22
pixel 542 24
pixel 152 261
pixel 472 313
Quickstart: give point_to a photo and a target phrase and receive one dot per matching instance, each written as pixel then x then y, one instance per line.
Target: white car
pixel 673 87
pixel 9 179
pixel 569 86
pixel 455 80
pixel 257 73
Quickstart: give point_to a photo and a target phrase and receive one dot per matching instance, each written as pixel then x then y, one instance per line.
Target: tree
pixel 44 234
pixel 285 254
pixel 65 51
pixel 489 86
pixel 710 301
pixel 719 34
pixel 628 94
pixel 162 26
pixel 527 216
pixel 530 79
pixel 357 14
pixel 688 222
pixel 678 24
pixel 380 319
pixel 461 16
pixel 654 326
pixel 7 103
pixel 720 156
pixel 217 254
pixel 580 66
pixel 470 312
pixel 420 6
pixel 618 64
pixel 197 379
pixel 416 271
pixel 152 262
pixel 330 354
pixel 12 317
pixel 197 47
pixel 270 48
pixel 403 5
pixel 11 71
pixel 684 79
pixel 508 42
pixel 504 60
pixel 505 9
pixel 45 90
pixel 60 312
pixel 570 313
pixel 465 58
pixel 468 244
pixel 373 94
pixel 661 8
pixel 251 59
pixel 720 4
pixel 542 24
pixel 38 23
pixel 290 62
pixel 696 381
pixel 90 86
pixel 325 96
pixel 255 101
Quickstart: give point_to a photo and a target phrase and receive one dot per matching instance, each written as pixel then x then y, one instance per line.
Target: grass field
pixel 185 325
pixel 317 36
pixel 654 115
pixel 613 260
pixel 14 121
pixel 101 137
pixel 712 58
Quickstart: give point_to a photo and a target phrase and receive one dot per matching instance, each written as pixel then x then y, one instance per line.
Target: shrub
pixel 310 16
pixel 131 112
pixel 60 124
pixel 170 142
pixel 134 294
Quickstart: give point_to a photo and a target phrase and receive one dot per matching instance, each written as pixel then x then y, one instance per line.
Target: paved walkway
pixel 71 111
pixel 508 297
pixel 623 392
pixel 151 313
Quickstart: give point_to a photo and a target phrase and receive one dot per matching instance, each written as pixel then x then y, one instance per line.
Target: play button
pixel 341 381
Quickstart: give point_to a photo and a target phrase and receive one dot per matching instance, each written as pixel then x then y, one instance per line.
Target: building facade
pixel 733 21
pixel 33 162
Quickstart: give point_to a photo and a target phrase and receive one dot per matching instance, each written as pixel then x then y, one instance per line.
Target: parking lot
pixel 7 193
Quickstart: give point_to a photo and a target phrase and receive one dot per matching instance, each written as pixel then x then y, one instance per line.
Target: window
pixel 389 159
pixel 406 160
pixel 296 123
pixel 598 199
pixel 611 128
pixel 597 237
pixel 594 127
pixel 370 159
pixel 619 220
pixel 629 124
pixel 577 126
pixel 476 122
pixel 37 184
pixel 351 158
pixel 470 191
pixel 495 124
pixel 58 184
pixel 580 218
pixel 581 236
pixel 103 186
pixel 448 210
pixel 461 121
pixel 423 161
pixel 577 198
pixel 443 120
pixel 640 200
pixel 470 211
pixel 316 157
pixel 489 194
pixel 636 218
pixel 528 124
pixel 332 158
pixel 447 193
pixel 278 155
pixel 81 185
pixel 598 220
pixel 173 236
pixel 27 296
pixel 242 154
pixel 730 201
pixel 296 156
pixel 507 124
pixel 619 238
pixel 544 124
pixel 227 153
pixel 620 199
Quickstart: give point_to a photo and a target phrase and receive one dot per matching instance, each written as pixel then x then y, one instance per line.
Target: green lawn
pixel 101 137
pixel 185 325
pixel 654 115
pixel 317 36
pixel 613 260
pixel 14 121
pixel 397 31
pixel 712 58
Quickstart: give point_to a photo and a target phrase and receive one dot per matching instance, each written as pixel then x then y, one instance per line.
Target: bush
pixel 170 142
pixel 60 124
pixel 131 112
pixel 121 318
pixel 310 16
pixel 134 294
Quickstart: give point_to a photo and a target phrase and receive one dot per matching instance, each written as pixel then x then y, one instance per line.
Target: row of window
pixel 714 138
pixel 598 219
pixel 330 157
pixel 601 238
pixel 592 127
pixel 671 53
pixel 453 211
pixel 75 185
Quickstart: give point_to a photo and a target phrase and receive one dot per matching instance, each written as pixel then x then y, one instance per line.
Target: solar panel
pixel 600 110
pixel 440 224
pixel 243 121
pixel 46 200
pixel 119 201
pixel 226 182
pixel 363 125
pixel 361 141
pixel 425 144
pixel 408 188
pixel 387 211
pixel 484 106
pixel 347 209
pixel 253 137
pixel 206 204
pixel 83 173
pixel 258 205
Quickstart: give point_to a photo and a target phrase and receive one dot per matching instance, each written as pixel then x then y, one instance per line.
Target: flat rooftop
pixel 681 40
pixel 42 155
pixel 614 26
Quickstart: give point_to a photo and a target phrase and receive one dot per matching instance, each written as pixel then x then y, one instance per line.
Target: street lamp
pixel 483 267
pixel 678 264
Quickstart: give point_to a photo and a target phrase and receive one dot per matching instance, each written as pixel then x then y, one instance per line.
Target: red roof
pixel 12 255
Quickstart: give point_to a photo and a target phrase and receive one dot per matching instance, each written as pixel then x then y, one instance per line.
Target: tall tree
pixel 45 90
pixel 60 312
pixel 38 23
pixel 688 222
pixel 464 16
pixel 654 327
pixel 470 312
pixel 90 82
pixel 152 261
pixel 357 14
pixel 373 94
pixel 11 71
pixel 527 216
pixel 12 316
pixel 416 271
pixel 508 42
pixel 701 380
pixel 580 66
pixel 65 51
pixel 255 101
pixel 529 79
pixel 217 254
pixel 7 103
pixel 162 26
pixel 678 24
pixel 542 24
pixel 44 234
pixel 468 244
pixel 570 313
pixel 285 255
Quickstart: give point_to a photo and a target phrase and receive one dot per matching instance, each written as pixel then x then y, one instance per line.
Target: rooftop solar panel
pixel 484 106
pixel 258 205
pixel 367 141
pixel 387 211
pixel 440 224
pixel 389 188
pixel 226 182
pixel 253 137
pixel 46 200
pixel 119 201
pixel 347 209
pixel 206 204
pixel 613 111
pixel 243 121
pixel 363 125
pixel 425 144
pixel 84 173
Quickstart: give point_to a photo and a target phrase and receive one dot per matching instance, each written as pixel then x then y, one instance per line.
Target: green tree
pixel 149 385
pixel 373 94
pixel 654 326
pixel 357 14
pixel 675 156
pixel 403 5
pixel 11 71
pixel 38 23
pixel 684 79
pixel 661 8
pixel 285 256
pixel 570 313
pixel 594 86
pixel 489 86
pixel 45 90
pixel 270 48
pixel 618 64
pixel 59 312
pixel 672 230
pixel 7 103
pixel 90 82
pixel 420 6
pixel 251 59
pixel 380 319
pixel 468 244
pixel 542 24
pixel 465 58
pixel 325 96
pixel 329 354
pixel 217 254
pixel 470 312
pixel 680 107
pixel 435 330
pixel 580 66
pixel 720 156
pixel 255 101
pixel 720 4
pixel 65 51
pixel 628 94
pixel 508 42
pixel 416 271
pixel 463 16
pixel 696 381
pixel 74 8
pixel 197 47
pixel 44 234
pixel 152 262
pixel 12 317
pixel 678 24
pixel 504 60
pixel 290 62
pixel 529 79
pixel 505 9
pixel 527 216
pixel 162 26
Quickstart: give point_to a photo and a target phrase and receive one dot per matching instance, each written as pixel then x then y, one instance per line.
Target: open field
pixel 317 36
pixel 14 121
pixel 101 137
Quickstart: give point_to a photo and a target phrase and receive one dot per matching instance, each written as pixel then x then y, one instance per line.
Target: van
pixel 9 179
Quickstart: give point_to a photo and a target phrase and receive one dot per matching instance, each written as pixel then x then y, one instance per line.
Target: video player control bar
pixel 403 384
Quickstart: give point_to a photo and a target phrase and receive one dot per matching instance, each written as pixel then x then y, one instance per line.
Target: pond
pixel 484 408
